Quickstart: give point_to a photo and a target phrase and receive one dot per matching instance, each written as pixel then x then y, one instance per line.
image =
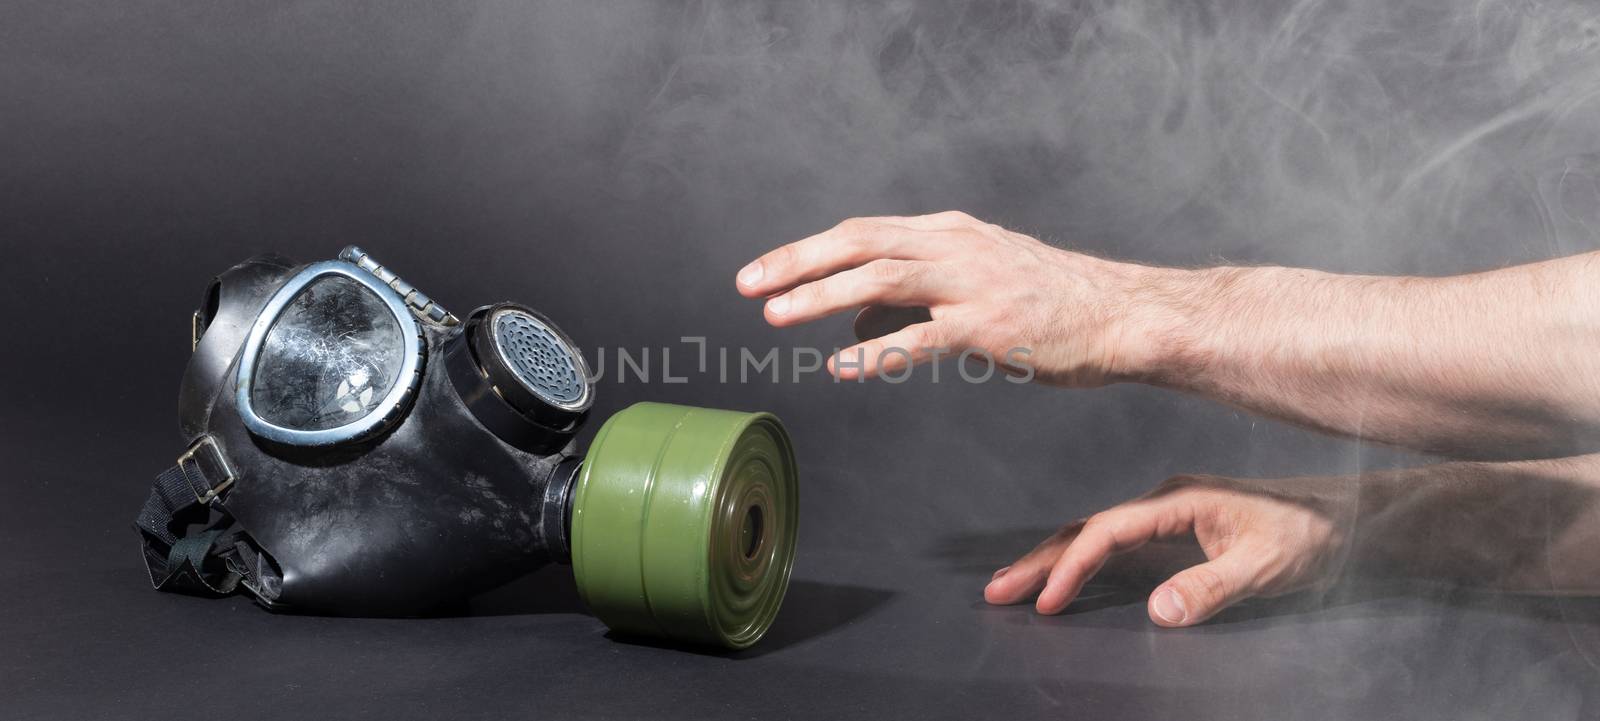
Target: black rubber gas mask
pixel 356 449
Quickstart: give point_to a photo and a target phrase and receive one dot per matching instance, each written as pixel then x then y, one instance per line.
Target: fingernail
pixel 751 274
pixel 998 574
pixel 779 305
pixel 1169 606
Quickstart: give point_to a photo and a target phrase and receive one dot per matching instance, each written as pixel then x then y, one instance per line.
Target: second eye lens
pixel 521 377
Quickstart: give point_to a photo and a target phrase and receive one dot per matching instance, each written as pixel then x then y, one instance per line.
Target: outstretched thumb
pixel 1198 593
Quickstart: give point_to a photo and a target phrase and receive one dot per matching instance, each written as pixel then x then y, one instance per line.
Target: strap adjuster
pixel 202 493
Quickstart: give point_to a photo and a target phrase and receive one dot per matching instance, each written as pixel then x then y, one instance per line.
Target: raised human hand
pixel 1064 316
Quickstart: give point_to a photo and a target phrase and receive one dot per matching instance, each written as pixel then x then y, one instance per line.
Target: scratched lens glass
pixel 330 358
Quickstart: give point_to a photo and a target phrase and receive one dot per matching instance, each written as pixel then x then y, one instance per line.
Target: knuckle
pixel 1119 531
pixel 1103 522
pixel 885 271
pixel 812 294
pixel 1208 585
pixel 785 258
pixel 857 238
pixel 909 272
pixel 899 355
pixel 974 234
pixel 851 227
pixel 927 335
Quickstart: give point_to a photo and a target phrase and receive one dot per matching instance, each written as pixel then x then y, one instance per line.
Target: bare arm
pixel 1491 365
pixel 1522 526
pixel 1498 364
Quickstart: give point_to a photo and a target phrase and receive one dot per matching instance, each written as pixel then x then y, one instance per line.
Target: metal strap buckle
pixel 201 493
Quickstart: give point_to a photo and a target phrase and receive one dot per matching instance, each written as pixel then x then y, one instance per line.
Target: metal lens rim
pixel 383 414
pixel 491 325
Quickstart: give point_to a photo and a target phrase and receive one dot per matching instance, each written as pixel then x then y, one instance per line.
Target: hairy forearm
pixel 1502 364
pixel 1526 526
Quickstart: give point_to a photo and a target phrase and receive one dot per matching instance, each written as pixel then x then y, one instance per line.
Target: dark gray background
pixel 614 164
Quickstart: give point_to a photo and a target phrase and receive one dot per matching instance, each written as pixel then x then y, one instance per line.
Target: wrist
pixel 1167 326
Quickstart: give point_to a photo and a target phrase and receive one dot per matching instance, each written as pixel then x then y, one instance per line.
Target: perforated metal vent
pixel 540 358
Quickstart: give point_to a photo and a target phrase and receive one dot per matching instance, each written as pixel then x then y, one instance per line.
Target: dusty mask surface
pixel 356 449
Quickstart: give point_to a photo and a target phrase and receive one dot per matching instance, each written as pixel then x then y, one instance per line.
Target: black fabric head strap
pixel 204 561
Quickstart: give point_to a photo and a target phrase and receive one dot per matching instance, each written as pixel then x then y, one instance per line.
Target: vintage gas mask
pixel 355 449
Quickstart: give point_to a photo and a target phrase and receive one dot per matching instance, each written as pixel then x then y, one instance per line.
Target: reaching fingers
pixel 893 353
pixel 853 242
pixel 1020 580
pixel 883 281
pixel 1198 593
pixel 1118 530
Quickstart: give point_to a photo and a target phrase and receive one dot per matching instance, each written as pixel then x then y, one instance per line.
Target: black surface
pixel 613 165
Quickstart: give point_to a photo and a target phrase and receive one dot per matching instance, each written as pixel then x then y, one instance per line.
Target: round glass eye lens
pixel 330 358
